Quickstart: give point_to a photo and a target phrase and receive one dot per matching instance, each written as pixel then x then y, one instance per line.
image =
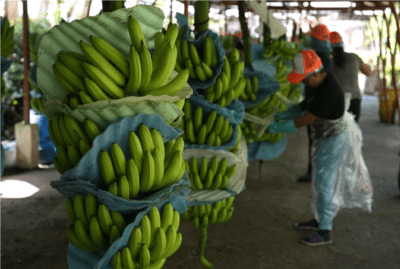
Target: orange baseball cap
pixel 320 32
pixel 305 63
pixel 336 40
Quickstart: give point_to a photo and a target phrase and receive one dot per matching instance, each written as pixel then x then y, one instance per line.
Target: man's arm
pixel 365 69
pixel 304 120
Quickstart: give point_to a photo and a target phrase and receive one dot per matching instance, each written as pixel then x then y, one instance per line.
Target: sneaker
pixel 305 178
pixel 309 225
pixel 317 239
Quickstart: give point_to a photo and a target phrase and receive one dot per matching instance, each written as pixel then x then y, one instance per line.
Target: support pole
pixel 171 12
pixel 25 41
pixel 186 2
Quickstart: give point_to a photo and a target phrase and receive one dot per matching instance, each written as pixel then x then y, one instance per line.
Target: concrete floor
pixel 260 233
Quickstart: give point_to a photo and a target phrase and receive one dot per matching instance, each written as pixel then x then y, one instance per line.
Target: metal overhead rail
pixel 307 5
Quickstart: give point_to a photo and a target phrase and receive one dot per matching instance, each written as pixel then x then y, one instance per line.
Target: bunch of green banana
pixel 280 47
pixel 37 104
pixel 7 38
pixel 72 140
pixel 94 227
pixel 206 214
pixel 154 80
pixel 153 242
pixel 152 164
pixel 268 106
pixel 102 72
pixel 250 131
pixel 250 90
pixel 211 174
pixel 212 130
pixel 294 93
pixel 3 87
pixel 281 74
pixel 230 84
pixel 188 57
pixel 235 148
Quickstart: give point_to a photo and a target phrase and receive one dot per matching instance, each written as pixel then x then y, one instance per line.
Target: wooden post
pixel 393 59
pixel 186 8
pixel 397 42
pixel 25 41
pixel 383 61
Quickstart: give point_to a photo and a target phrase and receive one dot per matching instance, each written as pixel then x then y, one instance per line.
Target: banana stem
pixel 266 36
pixel 203 239
pixel 109 6
pixel 201 9
pixel 245 34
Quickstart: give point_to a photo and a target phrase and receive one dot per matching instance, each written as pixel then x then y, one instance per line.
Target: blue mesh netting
pixel 267 86
pixel 78 180
pixel 5 64
pixel 234 113
pixel 78 258
pixel 198 43
pixel 266 151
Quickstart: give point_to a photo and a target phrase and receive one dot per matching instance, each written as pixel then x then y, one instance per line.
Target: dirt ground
pixel 259 235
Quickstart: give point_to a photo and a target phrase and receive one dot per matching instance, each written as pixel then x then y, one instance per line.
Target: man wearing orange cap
pixel 321 45
pixel 346 67
pixel 323 109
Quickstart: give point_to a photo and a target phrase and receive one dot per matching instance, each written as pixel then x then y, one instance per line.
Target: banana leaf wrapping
pixel 78 258
pixel 234 113
pixel 182 20
pixel 79 180
pixel 266 151
pixel 106 112
pixel 235 185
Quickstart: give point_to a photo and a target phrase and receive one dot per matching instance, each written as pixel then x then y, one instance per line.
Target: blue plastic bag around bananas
pixel 78 258
pixel 234 113
pixel 267 86
pixel 5 64
pixel 266 151
pixel 111 26
pixel 198 43
pixel 78 180
pixel 257 51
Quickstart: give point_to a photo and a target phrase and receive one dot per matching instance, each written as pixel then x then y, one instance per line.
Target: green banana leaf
pixel 112 26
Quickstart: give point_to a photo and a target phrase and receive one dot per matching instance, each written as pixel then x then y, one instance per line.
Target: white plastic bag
pixel 353 186
pixel 235 184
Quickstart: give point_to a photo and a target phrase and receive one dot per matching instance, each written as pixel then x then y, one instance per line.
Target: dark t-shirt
pixel 326 102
